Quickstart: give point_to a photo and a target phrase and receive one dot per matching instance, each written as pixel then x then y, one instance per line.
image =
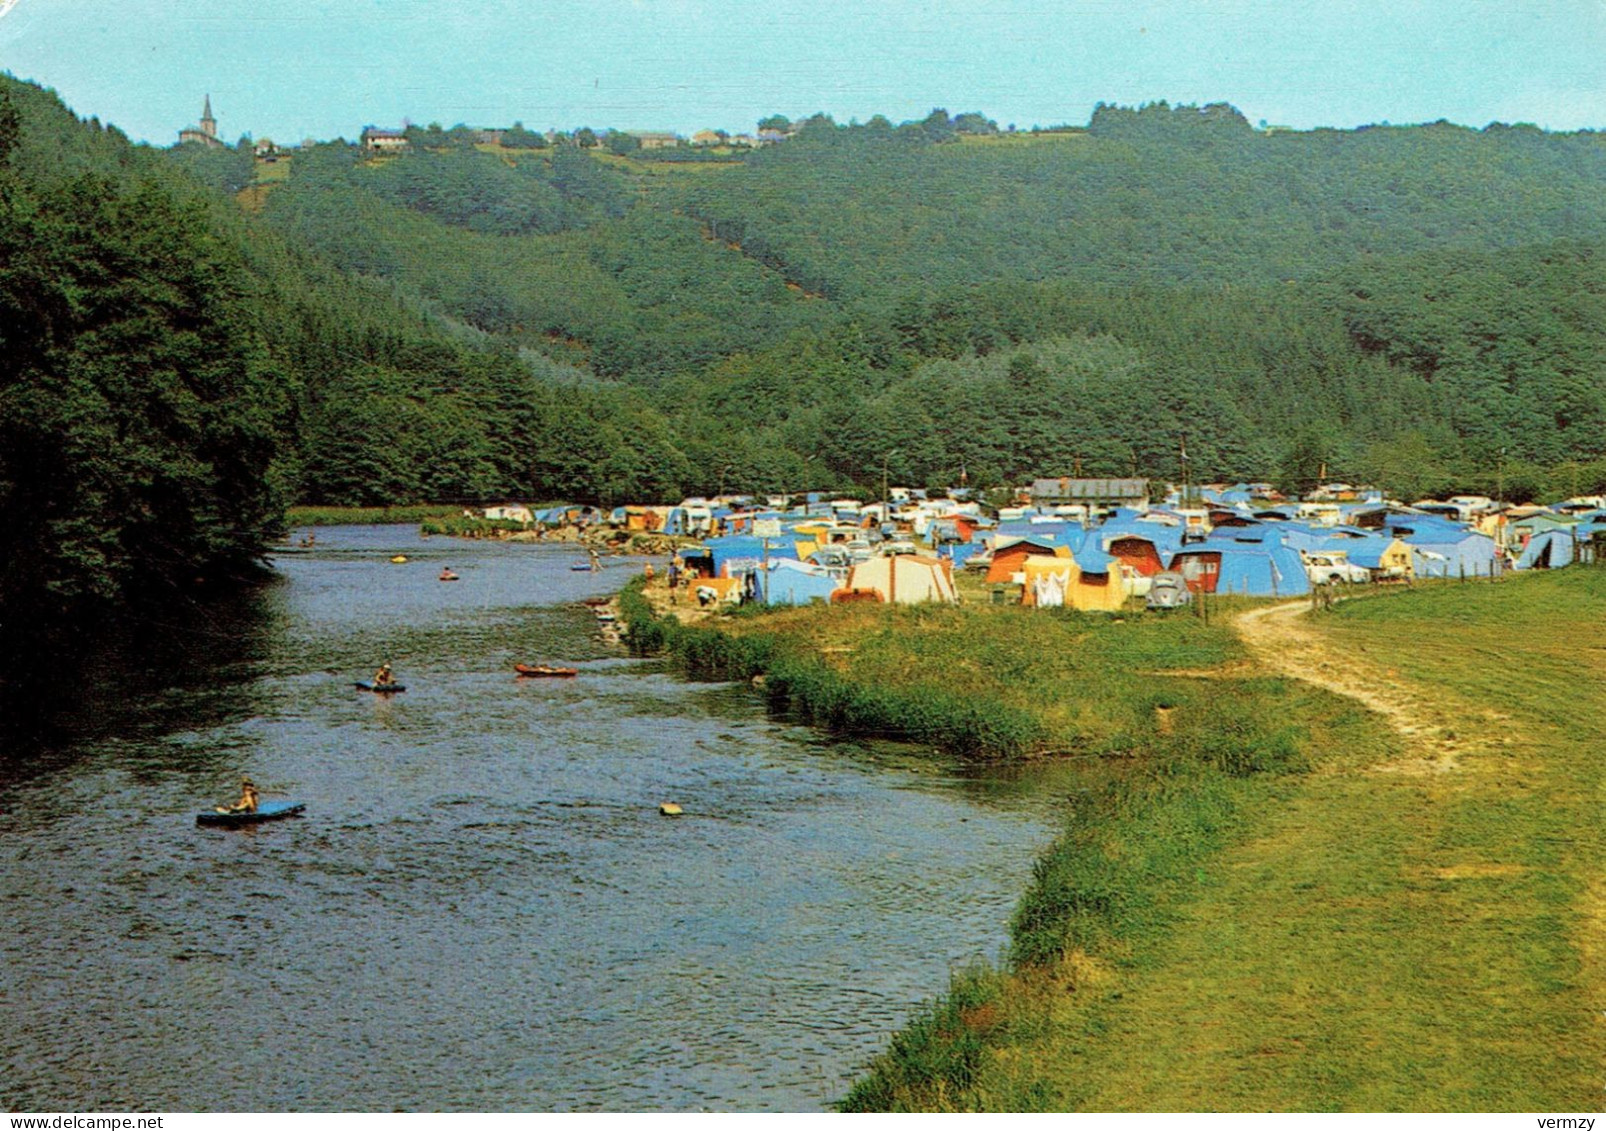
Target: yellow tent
pixel 1054 582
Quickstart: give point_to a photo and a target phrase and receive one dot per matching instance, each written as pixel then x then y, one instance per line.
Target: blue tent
pixel 1167 537
pixel 797 583
pixel 1364 552
pixel 1248 568
pixel 1060 533
pixel 737 549
pixel 1438 553
pixel 1090 559
pixel 1549 549
pixel 960 552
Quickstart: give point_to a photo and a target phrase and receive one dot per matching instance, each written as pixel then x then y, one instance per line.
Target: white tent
pixel 906 579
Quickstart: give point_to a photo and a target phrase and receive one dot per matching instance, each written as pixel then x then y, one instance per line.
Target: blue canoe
pixel 379 688
pixel 267 811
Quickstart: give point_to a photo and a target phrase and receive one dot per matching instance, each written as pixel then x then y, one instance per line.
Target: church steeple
pixel 208 123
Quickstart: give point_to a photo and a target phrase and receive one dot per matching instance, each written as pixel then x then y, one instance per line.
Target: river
pixel 482 908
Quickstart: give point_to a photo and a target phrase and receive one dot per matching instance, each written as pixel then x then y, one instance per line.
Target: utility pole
pixel 886 510
pixel 1182 449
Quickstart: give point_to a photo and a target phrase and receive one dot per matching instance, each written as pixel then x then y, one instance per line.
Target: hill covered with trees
pixel 190 343
pixel 857 295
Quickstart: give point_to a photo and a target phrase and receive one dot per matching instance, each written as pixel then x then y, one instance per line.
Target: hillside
pixel 1405 302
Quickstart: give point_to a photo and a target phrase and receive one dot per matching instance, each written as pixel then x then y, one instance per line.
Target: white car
pixel 1326 569
pixel 1168 590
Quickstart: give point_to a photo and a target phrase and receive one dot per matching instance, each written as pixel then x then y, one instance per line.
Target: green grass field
pixel 1415 922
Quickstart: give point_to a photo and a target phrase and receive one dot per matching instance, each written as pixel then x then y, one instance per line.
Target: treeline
pixel 553 249
pixel 1156 196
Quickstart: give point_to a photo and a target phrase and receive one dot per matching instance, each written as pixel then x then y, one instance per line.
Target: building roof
pixel 1066 488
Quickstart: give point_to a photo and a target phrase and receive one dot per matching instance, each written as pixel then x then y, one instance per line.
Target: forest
pixel 189 339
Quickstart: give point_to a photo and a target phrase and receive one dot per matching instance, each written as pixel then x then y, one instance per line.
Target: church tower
pixel 203 134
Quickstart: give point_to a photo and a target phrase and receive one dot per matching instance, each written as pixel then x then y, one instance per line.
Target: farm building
pixel 1104 493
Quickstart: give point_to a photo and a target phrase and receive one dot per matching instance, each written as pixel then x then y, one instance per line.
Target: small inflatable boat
pixel 267 811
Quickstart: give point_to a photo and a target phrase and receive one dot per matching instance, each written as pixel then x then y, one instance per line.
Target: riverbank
pixel 367 516
pixel 1271 894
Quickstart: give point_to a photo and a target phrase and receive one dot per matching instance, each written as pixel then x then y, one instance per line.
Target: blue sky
pixel 289 69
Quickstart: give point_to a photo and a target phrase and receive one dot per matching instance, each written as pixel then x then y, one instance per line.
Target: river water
pixel 482 908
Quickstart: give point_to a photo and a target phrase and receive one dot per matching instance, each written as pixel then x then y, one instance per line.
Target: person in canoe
pixel 384 677
pixel 247 802
pixel 447 574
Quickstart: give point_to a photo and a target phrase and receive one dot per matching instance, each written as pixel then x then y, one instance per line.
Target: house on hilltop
pixel 376 140
pixel 651 139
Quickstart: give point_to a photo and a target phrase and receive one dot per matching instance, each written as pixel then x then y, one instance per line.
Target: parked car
pixel 1168 590
pixel 1327 569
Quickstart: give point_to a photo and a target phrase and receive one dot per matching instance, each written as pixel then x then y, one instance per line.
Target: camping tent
pixel 906 579
pixel 1010 554
pixel 1250 569
pixel 797 583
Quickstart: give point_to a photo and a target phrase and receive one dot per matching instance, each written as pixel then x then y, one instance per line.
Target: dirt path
pixel 1283 639
pixel 1420 933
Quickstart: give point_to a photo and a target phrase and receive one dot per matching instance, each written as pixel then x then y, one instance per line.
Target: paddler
pixel 384 677
pixel 248 799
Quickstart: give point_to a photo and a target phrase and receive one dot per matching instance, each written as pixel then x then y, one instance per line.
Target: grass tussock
pixel 460 525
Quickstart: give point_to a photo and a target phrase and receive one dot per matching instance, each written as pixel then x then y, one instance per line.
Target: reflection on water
pixel 482 908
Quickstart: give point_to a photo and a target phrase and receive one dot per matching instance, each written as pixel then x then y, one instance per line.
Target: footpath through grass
pixel 1267 896
pixel 1415 924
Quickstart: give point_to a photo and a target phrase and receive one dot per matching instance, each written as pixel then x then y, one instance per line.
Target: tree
pixel 938 126
pixel 975 123
pixel 1308 456
pixel 585 137
pixel 10 128
pixel 780 123
pixel 520 138
pixel 621 144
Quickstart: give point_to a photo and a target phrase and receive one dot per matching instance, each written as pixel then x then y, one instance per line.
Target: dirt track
pixel 1283 639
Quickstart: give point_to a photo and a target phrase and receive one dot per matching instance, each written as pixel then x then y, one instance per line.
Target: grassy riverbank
pixel 361 516
pixel 1267 897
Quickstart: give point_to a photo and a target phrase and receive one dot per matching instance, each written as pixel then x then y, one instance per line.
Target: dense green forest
pixel 189 339
pixel 1414 305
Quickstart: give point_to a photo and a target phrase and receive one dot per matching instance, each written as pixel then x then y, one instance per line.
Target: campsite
pixel 1090 545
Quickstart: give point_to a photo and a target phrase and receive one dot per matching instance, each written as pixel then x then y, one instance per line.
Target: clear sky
pixel 289 69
